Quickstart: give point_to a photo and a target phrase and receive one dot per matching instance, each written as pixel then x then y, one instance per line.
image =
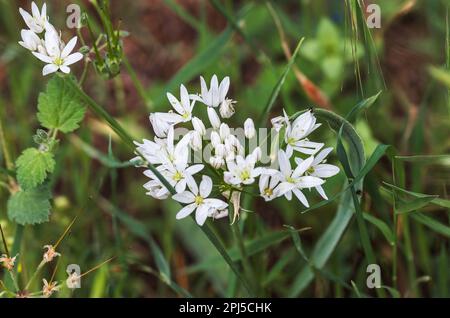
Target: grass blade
pixel 276 90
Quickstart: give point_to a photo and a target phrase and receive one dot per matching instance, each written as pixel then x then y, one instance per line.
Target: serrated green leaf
pixel 59 106
pixel 33 166
pixel 30 206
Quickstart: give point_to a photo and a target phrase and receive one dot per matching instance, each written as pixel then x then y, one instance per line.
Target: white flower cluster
pixel 233 168
pixel 50 48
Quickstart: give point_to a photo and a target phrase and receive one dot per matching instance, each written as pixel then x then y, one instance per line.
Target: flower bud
pixel 224 131
pixel 216 162
pixel 249 128
pixel 213 118
pixel 220 150
pixel 278 122
pixel 198 126
pixel 196 141
pixel 215 139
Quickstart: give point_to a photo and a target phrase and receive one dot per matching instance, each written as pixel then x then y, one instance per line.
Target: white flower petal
pixel 302 167
pixel 175 103
pixel 64 69
pixel 285 165
pixel 184 197
pixel 322 155
pixel 325 170
pixel 69 47
pixel 73 58
pixel 321 191
pixel 43 58
pixel 181 186
pixel 184 212
pixel 206 186
pixel 223 88
pixel 49 68
pixel 299 194
pixel 194 169
pixel 201 214
pixel 309 182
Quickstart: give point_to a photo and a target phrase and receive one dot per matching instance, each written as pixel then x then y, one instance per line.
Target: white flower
pixel 150 149
pixel 49 288
pixel 249 128
pixel 319 169
pixel 172 154
pixel 242 171
pixel 294 180
pixel 198 126
pixel 218 214
pixel 297 132
pixel 268 181
pixel 31 41
pixel 50 254
pixel 279 121
pixel 197 200
pixel 58 56
pixel 8 262
pixel 180 173
pixel 196 140
pixel 216 93
pixel 155 188
pixel 36 22
pixel 161 122
pixel 213 118
pixel 183 107
pixel 227 108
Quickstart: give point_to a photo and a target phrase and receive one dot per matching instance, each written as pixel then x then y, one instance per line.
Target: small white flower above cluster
pixel 50 49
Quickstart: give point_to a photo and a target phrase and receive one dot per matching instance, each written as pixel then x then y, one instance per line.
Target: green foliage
pixel 30 206
pixel 59 106
pixel 33 166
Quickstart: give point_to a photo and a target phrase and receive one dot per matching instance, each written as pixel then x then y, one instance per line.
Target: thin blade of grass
pixel 276 90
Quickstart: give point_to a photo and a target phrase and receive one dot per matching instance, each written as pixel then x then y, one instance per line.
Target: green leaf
pixel 59 106
pixel 332 235
pixel 33 166
pixel 405 194
pixel 364 104
pixel 433 224
pixel 382 226
pixel 30 206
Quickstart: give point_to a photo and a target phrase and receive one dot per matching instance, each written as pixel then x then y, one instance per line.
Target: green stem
pixel 4 241
pixel 395 250
pixel 38 269
pixel 248 269
pixel 8 162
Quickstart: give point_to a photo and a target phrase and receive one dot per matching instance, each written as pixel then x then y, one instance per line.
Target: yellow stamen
pixel 198 200
pixel 177 176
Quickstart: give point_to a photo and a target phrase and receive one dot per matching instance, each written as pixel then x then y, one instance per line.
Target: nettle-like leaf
pixel 59 106
pixel 33 166
pixel 30 206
